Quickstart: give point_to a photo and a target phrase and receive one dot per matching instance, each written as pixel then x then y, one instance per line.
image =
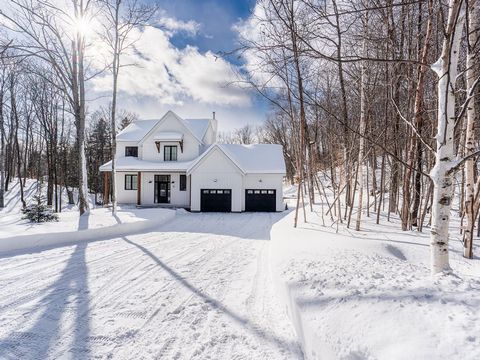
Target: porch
pixel 149 188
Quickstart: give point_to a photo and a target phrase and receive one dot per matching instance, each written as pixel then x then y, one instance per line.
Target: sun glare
pixel 82 26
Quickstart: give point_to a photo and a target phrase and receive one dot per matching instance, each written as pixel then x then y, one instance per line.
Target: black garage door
pixel 216 200
pixel 260 200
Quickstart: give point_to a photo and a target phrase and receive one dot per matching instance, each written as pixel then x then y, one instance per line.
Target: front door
pixel 162 189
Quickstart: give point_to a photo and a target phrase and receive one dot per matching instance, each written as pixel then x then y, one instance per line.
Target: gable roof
pixel 250 159
pixel 179 119
pixel 136 130
pixel 139 129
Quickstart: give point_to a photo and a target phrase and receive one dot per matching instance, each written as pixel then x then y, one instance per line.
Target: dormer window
pixel 170 153
pixel 131 151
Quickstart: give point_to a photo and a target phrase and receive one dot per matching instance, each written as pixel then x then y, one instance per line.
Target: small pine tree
pixel 38 212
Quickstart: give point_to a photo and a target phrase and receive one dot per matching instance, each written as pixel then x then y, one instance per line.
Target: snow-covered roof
pixel 257 158
pixel 131 163
pixel 168 136
pixel 198 126
pixel 251 159
pixel 136 130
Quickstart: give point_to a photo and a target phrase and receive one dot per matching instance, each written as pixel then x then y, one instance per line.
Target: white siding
pixel 177 197
pixel 265 181
pixel 125 196
pixel 216 166
pixel 120 152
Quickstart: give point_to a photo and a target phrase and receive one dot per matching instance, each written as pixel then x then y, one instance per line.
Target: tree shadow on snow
pixel 66 298
pixel 285 345
pixel 83 221
pixel 417 296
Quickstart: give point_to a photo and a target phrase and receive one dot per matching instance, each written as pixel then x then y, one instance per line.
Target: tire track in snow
pixel 198 313
pixel 29 284
pixel 127 289
pixel 129 286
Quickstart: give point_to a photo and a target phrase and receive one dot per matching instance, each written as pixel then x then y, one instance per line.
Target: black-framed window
pixel 170 153
pixel 183 182
pixel 131 151
pixel 131 182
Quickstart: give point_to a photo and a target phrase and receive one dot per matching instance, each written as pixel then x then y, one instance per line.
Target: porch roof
pixel 168 136
pixel 134 164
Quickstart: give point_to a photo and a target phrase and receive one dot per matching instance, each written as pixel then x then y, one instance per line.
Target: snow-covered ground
pixel 167 284
pixel 369 294
pixel 196 287
pixel 17 234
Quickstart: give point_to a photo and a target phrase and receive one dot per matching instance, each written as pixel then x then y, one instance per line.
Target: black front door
pixel 162 189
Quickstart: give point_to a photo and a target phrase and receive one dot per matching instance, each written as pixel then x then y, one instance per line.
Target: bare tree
pixel 121 17
pixel 57 36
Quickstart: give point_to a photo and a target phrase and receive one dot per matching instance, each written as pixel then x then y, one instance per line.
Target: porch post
pixel 106 187
pixel 139 188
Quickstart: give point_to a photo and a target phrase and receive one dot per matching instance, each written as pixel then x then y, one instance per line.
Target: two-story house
pixel 177 162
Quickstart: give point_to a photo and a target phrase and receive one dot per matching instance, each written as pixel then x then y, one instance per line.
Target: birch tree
pixel 446 69
pixel 363 115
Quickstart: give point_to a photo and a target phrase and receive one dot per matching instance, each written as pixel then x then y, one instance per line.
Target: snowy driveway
pixel 197 288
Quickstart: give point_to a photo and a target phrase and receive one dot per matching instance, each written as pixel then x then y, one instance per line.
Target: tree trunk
pixel 441 175
pixel 361 150
pixel 2 153
pixel 15 120
pixel 470 132
pixel 115 70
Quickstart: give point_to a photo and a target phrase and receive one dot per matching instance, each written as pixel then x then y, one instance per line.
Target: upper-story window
pixel 170 153
pixel 131 151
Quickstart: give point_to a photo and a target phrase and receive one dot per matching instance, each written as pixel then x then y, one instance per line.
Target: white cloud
pixel 173 25
pixel 172 75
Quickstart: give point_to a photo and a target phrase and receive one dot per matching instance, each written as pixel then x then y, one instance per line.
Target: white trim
pixel 168 136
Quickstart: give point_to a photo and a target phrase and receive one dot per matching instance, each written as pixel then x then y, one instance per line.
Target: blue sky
pixel 215 17
pixel 178 69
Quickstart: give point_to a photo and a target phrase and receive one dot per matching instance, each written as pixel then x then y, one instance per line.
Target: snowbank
pixel 17 234
pixel 369 295
pixel 48 238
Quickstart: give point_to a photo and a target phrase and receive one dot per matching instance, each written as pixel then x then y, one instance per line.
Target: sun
pixel 82 26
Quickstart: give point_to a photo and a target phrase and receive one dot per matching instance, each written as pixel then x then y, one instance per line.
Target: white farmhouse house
pixel 177 162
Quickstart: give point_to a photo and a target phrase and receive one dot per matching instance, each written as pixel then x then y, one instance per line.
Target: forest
pixel 374 103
